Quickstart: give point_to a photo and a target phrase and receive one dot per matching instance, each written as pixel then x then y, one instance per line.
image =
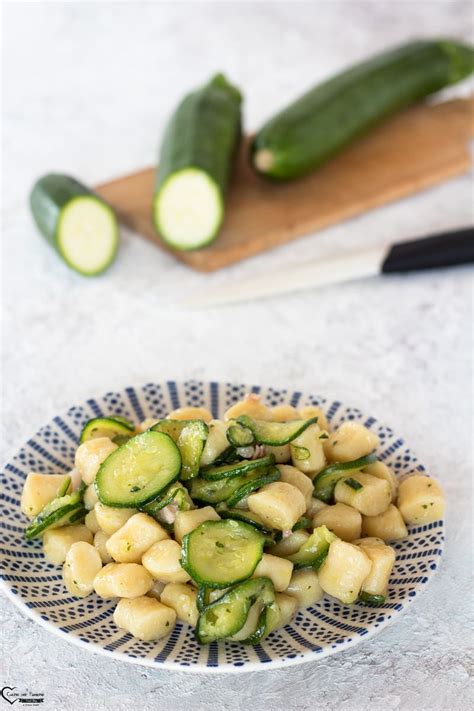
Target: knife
pixel 440 250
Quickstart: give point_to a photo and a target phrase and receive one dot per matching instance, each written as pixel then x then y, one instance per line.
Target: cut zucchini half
pixel 227 471
pixel 65 488
pixel 59 512
pixel 190 436
pixel 138 471
pixel 271 474
pixel 239 435
pixel 218 554
pixel 213 492
pixel 275 434
pixel 369 599
pixel 106 427
pixel 77 223
pixel 325 482
pixel 314 550
pixel 227 615
pixel 189 209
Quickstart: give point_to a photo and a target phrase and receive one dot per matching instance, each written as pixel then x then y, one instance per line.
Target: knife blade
pixel 440 250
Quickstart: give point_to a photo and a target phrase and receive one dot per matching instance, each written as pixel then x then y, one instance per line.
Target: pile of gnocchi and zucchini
pixel 228 525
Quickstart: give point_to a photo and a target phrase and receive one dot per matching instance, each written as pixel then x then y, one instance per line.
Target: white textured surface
pixel 87 90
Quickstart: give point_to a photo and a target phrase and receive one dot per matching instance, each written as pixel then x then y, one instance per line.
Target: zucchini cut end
pixel 87 235
pixel 188 209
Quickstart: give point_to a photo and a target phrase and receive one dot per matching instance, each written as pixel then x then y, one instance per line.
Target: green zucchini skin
pixel 330 116
pixel 203 134
pixel 50 195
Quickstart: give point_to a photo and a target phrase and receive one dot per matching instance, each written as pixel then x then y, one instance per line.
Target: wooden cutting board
pixel 418 148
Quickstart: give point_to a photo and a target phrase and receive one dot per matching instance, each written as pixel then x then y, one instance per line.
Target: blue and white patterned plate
pixel 325 628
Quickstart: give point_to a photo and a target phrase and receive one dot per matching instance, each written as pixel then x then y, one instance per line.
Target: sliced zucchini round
pixel 239 435
pixel 228 614
pixel 173 493
pixel 106 427
pixel 275 434
pixel 325 482
pixel 227 471
pixel 138 471
pixel 314 550
pixel 61 511
pixel 218 554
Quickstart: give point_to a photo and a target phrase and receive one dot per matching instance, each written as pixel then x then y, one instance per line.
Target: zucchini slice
pixel 213 492
pixel 228 471
pixel 239 435
pixel 221 553
pixel 331 115
pixel 106 427
pixel 227 615
pixel 369 599
pixel 275 434
pixel 80 226
pixel 190 436
pixel 174 493
pixel 314 550
pixel 246 516
pixel 138 471
pixel 196 158
pixel 61 511
pixel 325 482
pixel 270 475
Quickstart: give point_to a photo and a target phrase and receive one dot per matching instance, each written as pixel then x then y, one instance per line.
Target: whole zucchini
pixel 195 162
pixel 330 116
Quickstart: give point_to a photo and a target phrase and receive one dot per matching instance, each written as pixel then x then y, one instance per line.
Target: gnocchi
pixel 350 441
pixel 81 565
pixel 57 541
pixel 90 455
pixel 134 538
pixel 420 500
pixel 122 580
pixel 145 618
pixel 343 520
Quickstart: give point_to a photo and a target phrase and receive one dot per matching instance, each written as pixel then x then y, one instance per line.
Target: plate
pixel 325 628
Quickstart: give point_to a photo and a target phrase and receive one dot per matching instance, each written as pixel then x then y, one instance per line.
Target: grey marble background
pixel 87 88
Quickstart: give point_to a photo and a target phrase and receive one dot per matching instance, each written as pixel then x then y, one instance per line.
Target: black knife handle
pixel 442 250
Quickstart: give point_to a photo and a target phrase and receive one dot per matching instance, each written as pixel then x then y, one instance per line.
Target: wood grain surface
pixel 412 151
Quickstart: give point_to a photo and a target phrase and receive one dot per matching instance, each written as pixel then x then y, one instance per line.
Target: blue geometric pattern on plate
pixel 322 629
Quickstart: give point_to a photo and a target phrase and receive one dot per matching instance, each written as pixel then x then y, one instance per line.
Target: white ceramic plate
pixel 323 629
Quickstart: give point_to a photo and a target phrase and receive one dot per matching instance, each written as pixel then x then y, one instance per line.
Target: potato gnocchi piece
pixel 292 475
pixel 420 500
pixel 39 490
pixel 380 470
pixel 350 441
pixel 111 519
pixel 313 411
pixel 145 618
pixel 279 571
pixel 90 497
pixel 389 525
pixel 100 539
pixel 122 580
pixel 137 535
pixel 182 599
pixel 252 406
pixel 91 522
pixel 287 606
pixel 307 453
pixel 90 455
pixel 81 566
pixel 344 571
pixel 57 541
pixel 343 520
pixel 289 545
pixel 162 561
pixel 364 492
pixel 282 454
pixel 278 504
pixel 382 558
pixel 304 586
pixel 187 521
pixel 190 413
pixel 284 413
pixel 216 442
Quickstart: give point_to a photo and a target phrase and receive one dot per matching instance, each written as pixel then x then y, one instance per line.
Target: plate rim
pixel 223 667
